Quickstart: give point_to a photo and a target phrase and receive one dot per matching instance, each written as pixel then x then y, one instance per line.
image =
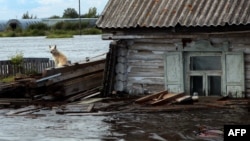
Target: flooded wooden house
pixel 191 46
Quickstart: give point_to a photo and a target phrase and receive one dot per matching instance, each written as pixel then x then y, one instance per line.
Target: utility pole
pixel 80 28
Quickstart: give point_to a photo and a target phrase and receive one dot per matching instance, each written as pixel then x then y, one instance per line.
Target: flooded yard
pixel 46 125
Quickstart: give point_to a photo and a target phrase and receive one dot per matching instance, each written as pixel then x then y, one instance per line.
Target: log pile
pixel 68 84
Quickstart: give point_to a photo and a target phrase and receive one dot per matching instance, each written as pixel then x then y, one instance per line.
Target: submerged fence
pixel 29 65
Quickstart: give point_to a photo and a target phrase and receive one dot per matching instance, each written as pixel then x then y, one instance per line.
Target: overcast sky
pixel 11 9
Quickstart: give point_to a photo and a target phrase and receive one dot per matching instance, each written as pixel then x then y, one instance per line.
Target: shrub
pixel 58 26
pixel 92 31
pixel 17 59
pixel 37 32
pixel 39 26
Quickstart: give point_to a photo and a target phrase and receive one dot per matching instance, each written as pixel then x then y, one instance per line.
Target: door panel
pixel 234 76
pixel 174 72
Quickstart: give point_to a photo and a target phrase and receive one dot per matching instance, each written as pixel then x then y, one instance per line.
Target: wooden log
pixel 84 94
pixel 143 63
pixel 121 68
pixel 93 114
pixel 145 56
pixel 92 95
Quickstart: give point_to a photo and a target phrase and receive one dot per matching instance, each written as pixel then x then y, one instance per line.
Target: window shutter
pixel 234 78
pixel 174 72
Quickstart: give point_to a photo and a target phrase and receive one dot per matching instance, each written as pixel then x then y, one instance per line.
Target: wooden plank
pixel 72 73
pixel 146 69
pixel 150 97
pixel 80 84
pixel 152 63
pixel 167 98
pixel 146 80
pixel 83 94
pixel 93 114
pixel 158 41
pixel 22 110
pixel 72 68
pixel 180 99
pixel 146 74
pixel 90 108
pixel 92 95
pixel 76 109
pixel 153 46
pixel 144 56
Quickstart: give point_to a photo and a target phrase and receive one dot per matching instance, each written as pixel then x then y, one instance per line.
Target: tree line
pixel 68 13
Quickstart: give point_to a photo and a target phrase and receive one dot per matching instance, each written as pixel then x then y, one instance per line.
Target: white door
pixel 174 72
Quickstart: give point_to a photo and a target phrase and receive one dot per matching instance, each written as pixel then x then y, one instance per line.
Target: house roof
pixel 169 13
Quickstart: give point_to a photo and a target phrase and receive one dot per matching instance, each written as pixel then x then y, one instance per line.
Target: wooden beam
pixel 150 97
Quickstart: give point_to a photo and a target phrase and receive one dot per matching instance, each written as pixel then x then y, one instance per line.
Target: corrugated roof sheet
pixel 169 13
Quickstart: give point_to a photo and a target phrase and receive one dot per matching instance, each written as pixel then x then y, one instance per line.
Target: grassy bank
pixel 59 30
pixel 50 33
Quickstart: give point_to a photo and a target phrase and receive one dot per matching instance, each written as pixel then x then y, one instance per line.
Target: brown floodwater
pixel 46 125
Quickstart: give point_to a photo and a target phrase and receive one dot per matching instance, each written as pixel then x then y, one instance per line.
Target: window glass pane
pixel 214 85
pixel 205 63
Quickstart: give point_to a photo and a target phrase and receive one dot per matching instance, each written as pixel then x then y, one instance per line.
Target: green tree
pixel 27 16
pixel 54 17
pixel 92 13
pixel 70 13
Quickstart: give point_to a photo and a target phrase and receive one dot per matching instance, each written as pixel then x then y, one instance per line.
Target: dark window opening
pixel 196 83
pixel 13 26
pixel 205 63
pixel 214 85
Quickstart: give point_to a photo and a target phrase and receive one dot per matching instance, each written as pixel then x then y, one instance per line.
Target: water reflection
pixel 173 126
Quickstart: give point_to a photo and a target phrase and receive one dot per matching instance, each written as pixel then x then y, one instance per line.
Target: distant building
pixel 51 22
pixel 24 23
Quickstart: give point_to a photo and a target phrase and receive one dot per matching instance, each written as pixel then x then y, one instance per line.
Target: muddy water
pixel 76 49
pixel 45 125
pixel 173 126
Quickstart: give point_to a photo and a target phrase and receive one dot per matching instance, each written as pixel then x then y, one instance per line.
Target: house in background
pixel 186 46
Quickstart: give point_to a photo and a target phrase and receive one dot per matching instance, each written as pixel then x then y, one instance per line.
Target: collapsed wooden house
pixel 191 46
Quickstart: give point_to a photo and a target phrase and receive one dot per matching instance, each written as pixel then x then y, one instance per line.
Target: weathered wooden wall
pixel 140 64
